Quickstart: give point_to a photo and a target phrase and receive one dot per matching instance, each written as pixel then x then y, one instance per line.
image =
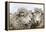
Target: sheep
pixel 22 20
pixel 38 19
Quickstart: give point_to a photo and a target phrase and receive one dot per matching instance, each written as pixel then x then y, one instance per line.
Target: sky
pixel 15 6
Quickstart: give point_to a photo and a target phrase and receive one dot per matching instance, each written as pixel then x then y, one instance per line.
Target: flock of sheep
pixel 24 19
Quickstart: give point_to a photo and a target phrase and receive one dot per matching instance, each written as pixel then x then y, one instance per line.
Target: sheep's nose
pixel 26 24
pixel 37 22
pixel 29 20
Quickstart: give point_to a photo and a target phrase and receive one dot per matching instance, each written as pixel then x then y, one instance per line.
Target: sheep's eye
pixel 31 18
pixel 42 13
pixel 29 21
pixel 22 15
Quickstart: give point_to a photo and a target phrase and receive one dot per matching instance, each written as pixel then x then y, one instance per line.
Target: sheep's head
pixel 37 17
pixel 25 19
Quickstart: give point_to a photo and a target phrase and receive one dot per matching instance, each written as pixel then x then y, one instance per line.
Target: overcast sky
pixel 15 6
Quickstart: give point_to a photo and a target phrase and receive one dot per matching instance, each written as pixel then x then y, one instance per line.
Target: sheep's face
pixel 26 19
pixel 37 18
